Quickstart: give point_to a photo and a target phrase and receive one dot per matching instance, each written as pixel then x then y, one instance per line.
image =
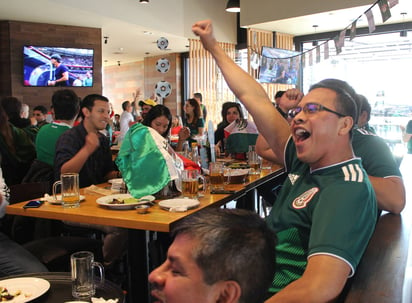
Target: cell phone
pixel 33 204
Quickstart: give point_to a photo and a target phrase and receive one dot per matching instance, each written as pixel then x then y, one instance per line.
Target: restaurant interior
pixel 130 39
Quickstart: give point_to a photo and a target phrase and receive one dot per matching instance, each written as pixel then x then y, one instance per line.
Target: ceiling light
pixel 144 1
pixel 233 6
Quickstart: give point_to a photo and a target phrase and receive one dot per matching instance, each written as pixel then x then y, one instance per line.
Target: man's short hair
pixel 233 244
pixel 56 57
pixel 65 104
pixel 346 96
pixel 41 109
pixel 198 96
pixel 363 105
pixel 88 102
pixel 125 105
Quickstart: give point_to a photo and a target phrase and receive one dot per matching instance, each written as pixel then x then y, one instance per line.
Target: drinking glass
pixel 82 273
pixel 70 190
pixel 190 183
pixel 216 176
pixel 253 161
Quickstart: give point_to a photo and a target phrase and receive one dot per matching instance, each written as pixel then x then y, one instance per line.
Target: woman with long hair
pixel 17 150
pixel 231 111
pixel 160 119
pixel 193 119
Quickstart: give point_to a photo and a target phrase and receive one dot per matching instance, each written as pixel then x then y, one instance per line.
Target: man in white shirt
pixel 126 119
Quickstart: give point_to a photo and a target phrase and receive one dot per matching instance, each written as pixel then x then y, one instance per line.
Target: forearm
pixel 263 149
pixel 390 193
pixel 323 280
pixel 75 164
pixel 268 120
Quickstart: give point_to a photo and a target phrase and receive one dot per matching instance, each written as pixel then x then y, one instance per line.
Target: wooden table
pixel 157 220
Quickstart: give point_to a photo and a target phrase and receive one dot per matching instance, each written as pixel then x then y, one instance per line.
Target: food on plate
pixel 5 295
pixel 124 201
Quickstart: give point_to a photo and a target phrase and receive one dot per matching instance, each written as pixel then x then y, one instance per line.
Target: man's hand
pixel 204 30
pixel 92 142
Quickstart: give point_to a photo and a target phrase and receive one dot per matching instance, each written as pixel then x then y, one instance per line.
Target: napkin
pixel 97 190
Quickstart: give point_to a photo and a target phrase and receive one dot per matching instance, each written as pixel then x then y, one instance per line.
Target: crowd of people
pixel 340 175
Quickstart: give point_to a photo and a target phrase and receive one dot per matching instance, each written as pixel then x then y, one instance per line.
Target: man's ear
pixel 230 292
pixel 346 125
pixel 85 111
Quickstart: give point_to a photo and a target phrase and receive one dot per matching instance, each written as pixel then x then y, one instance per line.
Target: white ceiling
pixel 125 22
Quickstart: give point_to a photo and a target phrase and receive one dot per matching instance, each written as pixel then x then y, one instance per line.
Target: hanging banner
pixel 353 30
pixel 371 20
pixel 342 38
pixel 384 8
pixel 317 54
pixel 326 50
pixel 392 3
pixel 337 45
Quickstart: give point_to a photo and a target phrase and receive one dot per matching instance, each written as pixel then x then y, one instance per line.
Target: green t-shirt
pixel 331 210
pixel 409 131
pixel 46 141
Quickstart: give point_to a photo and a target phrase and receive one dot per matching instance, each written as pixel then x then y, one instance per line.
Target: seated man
pixel 83 149
pixel 39 114
pixel 326 210
pixel 377 160
pixel 218 255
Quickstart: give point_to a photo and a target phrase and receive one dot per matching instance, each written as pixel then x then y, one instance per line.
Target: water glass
pixel 70 190
pixel 82 273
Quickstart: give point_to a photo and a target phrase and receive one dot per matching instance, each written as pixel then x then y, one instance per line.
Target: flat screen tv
pixel 279 66
pixel 41 66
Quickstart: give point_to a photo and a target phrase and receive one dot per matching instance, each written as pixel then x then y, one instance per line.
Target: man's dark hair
pixel 56 57
pixel 65 104
pixel 363 105
pixel 125 104
pixel 232 244
pixel 41 109
pixel 199 96
pixel 346 97
pixel 88 102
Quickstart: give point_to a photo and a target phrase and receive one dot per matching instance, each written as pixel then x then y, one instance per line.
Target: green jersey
pixel 330 210
pixel 46 141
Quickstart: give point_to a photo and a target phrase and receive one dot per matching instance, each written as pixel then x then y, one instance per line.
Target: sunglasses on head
pixel 311 108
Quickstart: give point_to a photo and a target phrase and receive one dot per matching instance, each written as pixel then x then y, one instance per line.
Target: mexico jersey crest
pixel 304 199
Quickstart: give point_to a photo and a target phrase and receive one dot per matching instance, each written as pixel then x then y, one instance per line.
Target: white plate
pixel 31 288
pixel 105 201
pixel 51 199
pixel 179 204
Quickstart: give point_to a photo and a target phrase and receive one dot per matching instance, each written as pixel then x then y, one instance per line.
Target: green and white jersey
pixel 377 158
pixel 46 141
pixel 331 210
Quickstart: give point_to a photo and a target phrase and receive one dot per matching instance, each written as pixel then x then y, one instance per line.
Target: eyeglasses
pixel 311 108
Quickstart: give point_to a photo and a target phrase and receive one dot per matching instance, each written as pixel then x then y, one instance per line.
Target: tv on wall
pixel 43 65
pixel 279 66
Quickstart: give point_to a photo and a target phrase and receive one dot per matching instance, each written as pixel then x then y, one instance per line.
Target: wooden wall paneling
pixel 205 77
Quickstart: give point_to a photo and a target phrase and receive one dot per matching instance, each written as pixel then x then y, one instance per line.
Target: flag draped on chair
pixel 146 161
